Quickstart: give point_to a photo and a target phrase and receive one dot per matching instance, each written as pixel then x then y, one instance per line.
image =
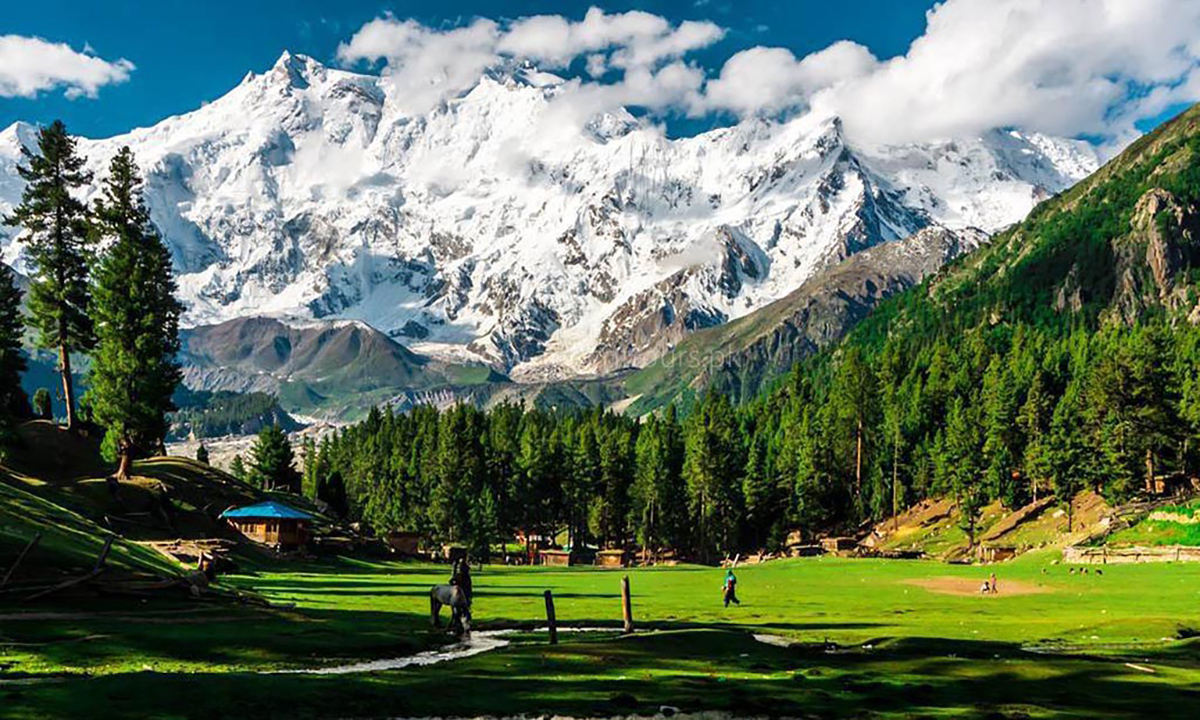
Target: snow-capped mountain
pixel 490 228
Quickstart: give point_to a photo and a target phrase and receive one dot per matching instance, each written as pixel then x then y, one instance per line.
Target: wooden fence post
pixel 626 604
pixel 550 621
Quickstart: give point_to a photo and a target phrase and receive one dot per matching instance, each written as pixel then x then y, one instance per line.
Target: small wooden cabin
pixel 271 523
pixel 612 558
pixel 405 543
pixel 554 557
pixel 839 545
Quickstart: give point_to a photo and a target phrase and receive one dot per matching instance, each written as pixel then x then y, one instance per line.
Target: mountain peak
pixel 299 70
pixel 19 134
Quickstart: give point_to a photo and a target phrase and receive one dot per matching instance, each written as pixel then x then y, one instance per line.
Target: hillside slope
pixel 739 357
pixel 1061 356
pixel 331 369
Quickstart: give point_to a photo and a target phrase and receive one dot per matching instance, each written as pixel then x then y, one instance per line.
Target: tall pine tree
pixel 59 250
pixel 13 402
pixel 134 371
pixel 272 463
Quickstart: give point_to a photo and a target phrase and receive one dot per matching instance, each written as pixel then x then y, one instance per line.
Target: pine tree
pixel 964 461
pixel 854 397
pixel 134 370
pixel 13 402
pixel 1034 420
pixel 713 464
pixel 59 250
pixel 202 454
pixel 237 468
pixel 312 480
pixel 272 464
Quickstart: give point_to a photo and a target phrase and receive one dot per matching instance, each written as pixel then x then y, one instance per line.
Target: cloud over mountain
pixel 1066 67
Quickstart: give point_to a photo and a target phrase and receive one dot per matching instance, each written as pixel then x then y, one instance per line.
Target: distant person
pixel 730 588
pixel 994 588
pixel 985 588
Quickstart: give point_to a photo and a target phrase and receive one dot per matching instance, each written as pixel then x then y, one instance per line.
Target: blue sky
pixel 912 69
pixel 187 52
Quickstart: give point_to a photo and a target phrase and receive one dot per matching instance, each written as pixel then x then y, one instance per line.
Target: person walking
pixel 730 588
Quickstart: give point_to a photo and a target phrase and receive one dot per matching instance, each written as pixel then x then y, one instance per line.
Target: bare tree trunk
pixel 858 460
pixel 64 364
pixel 125 463
pixel 1149 472
pixel 896 480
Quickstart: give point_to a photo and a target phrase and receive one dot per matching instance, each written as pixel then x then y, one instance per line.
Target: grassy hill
pixel 54 482
pixel 70 542
pixel 1174 524
pixel 167 497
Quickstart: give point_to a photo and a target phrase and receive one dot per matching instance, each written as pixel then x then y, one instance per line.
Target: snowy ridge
pixel 494 228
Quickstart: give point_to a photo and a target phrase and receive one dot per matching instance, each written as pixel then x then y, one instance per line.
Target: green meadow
pixel 858 637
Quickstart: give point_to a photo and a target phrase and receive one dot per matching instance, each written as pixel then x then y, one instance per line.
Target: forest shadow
pixel 692 670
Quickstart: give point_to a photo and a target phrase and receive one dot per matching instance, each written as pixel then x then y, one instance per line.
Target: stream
pixel 476 643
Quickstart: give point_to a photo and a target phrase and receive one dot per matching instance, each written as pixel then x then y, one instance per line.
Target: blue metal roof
pixel 269 509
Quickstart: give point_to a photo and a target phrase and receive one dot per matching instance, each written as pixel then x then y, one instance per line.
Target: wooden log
pixel 104 553
pixel 551 622
pixel 67 584
pixel 626 604
pixel 37 537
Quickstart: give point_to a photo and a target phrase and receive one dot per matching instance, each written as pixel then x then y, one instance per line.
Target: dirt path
pixel 970 586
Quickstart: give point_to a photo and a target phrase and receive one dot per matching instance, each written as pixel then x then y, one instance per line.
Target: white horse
pixel 459 603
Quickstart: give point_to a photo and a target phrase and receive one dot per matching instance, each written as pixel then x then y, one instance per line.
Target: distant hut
pixel 405 543
pixel 271 523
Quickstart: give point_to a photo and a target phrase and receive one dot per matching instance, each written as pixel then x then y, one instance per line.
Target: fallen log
pixel 66 585
pixel 17 563
pixel 97 569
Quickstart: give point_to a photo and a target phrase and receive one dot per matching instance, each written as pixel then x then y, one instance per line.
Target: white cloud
pixel 1065 67
pixel 428 66
pixel 636 39
pixel 30 65
pixel 765 80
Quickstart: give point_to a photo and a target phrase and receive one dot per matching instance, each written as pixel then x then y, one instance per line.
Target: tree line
pixel 101 284
pixel 1008 413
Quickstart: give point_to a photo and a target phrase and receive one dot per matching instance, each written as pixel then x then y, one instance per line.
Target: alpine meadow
pixel 686 360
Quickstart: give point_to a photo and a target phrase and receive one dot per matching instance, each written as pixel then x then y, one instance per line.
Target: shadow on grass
pixel 692 670
pixel 236 636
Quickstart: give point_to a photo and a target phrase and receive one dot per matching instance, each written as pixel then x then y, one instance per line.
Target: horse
pixel 460 606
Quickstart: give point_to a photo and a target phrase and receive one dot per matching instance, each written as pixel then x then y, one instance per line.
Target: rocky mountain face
pixel 740 356
pixel 491 230
pixel 325 369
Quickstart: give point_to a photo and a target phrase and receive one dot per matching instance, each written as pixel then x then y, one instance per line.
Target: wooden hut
pixel 271 523
pixel 554 557
pixel 405 543
pixel 612 558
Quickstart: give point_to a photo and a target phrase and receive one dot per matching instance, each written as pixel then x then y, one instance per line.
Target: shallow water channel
pixel 476 643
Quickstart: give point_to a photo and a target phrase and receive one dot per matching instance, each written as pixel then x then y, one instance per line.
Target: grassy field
pixel 860 637
pixel 871 637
